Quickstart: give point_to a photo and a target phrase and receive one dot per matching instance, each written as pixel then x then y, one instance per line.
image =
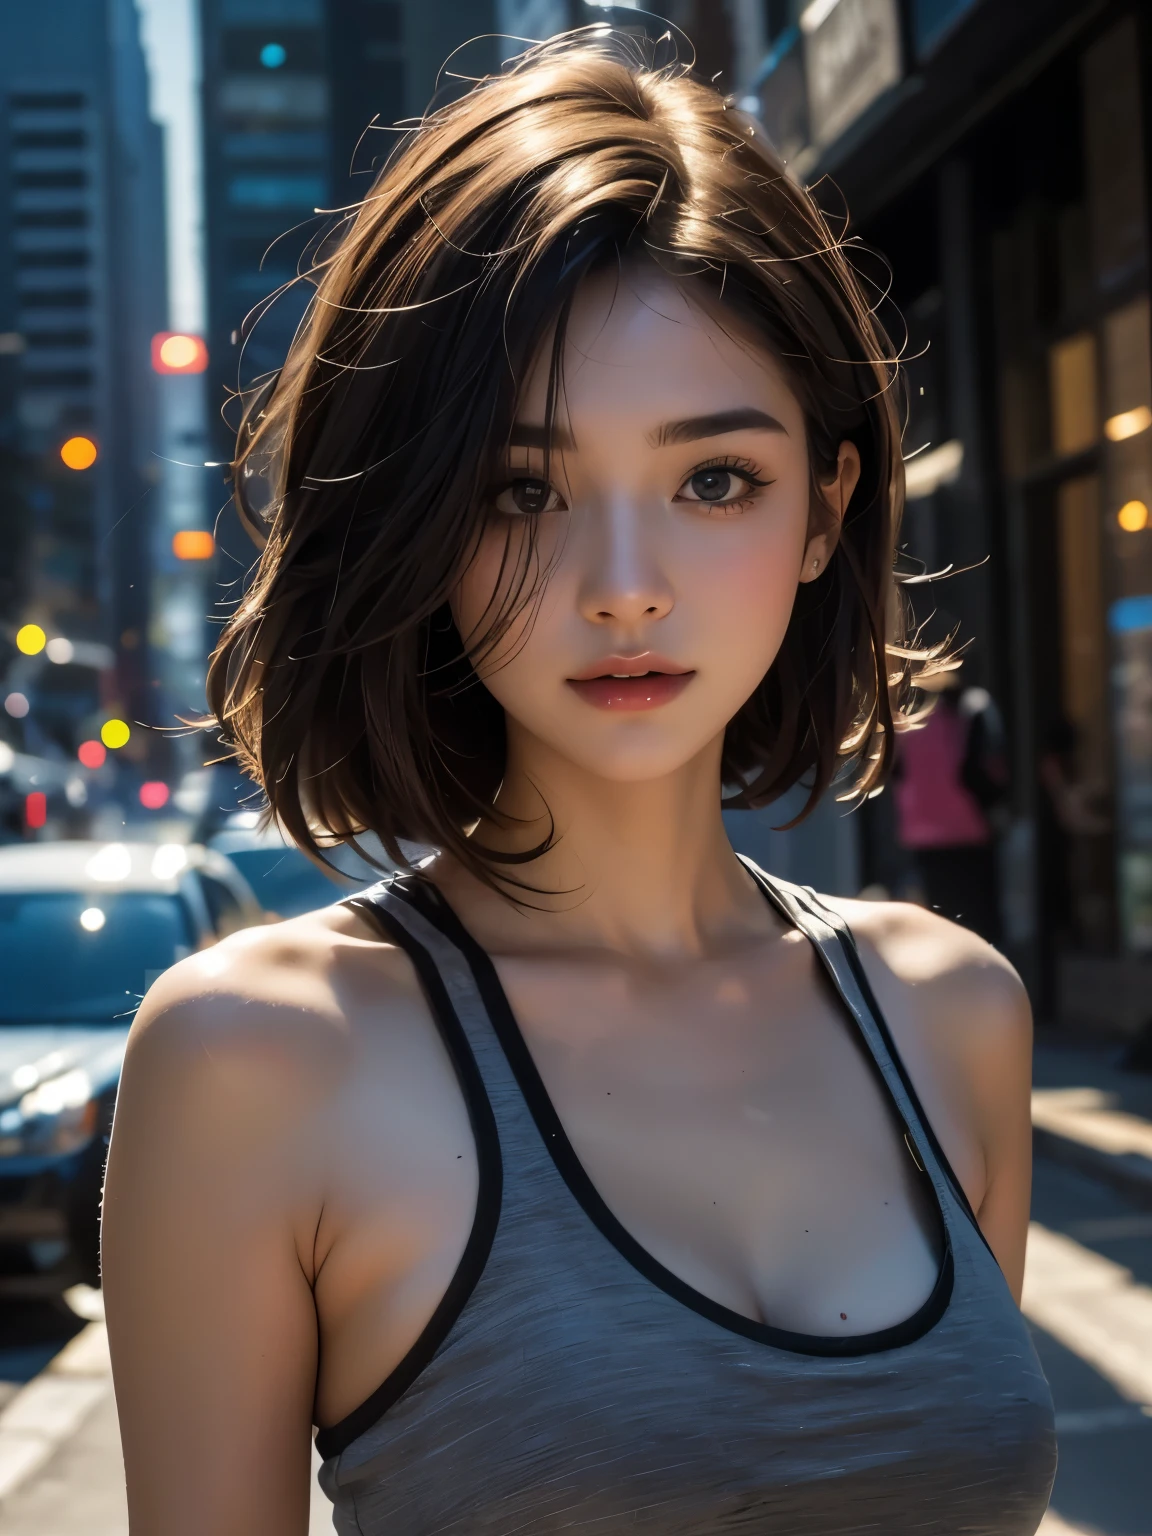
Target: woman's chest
pixel 608 1402
pixel 740 1132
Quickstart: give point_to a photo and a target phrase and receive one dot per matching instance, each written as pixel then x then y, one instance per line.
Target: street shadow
pixel 1105 1440
pixel 31 1333
pixel 1095 1215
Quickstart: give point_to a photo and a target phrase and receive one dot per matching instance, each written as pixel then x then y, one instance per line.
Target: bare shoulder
pixel 954 982
pixel 276 1011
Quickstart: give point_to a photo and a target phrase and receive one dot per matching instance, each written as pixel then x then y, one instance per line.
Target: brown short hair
pixel 340 681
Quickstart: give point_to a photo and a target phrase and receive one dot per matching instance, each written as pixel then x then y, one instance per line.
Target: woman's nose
pixel 624 581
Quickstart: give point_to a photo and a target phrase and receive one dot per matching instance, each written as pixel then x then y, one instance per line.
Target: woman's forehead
pixel 639 343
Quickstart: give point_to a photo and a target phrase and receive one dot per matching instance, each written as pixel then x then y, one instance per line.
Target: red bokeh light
pixel 92 753
pixel 153 794
pixel 178 352
pixel 35 810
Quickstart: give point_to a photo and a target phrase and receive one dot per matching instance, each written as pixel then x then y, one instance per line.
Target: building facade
pixel 998 157
pixel 82 289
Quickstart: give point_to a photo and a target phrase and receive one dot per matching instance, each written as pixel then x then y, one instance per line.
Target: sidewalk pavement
pixel 58 1435
pixel 1090 1115
pixel 61 1467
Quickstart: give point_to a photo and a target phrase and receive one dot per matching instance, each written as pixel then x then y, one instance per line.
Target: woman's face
pixel 673 528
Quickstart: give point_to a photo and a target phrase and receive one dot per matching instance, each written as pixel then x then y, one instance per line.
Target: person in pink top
pixel 950 777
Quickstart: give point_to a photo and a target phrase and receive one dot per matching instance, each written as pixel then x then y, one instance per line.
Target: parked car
pixel 285 881
pixel 85 928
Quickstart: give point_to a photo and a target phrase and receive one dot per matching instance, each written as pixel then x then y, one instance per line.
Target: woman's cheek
pixel 751 598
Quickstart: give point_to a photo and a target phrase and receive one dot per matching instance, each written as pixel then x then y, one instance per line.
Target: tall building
pixel 300 102
pixel 82 289
pixel 267 152
pixel 386 61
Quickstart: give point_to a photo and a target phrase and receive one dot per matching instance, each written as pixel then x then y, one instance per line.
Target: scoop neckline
pixel 568 1164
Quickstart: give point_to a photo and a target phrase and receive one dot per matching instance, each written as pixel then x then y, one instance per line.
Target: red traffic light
pixel 178 352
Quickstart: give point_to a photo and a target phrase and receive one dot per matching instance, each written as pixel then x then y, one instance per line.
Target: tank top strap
pixel 461 989
pixel 833 941
pixel 412 914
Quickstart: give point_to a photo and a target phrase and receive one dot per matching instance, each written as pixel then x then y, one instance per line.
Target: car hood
pixel 52 1049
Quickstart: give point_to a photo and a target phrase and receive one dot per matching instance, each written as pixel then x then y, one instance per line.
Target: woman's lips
pixel 643 683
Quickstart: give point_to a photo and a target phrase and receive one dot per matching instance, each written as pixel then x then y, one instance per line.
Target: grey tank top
pixel 568 1382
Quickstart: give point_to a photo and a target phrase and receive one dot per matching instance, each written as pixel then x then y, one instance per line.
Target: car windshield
pixel 71 958
pixel 284 881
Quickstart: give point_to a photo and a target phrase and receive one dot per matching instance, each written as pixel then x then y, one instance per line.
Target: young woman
pixel 584 1177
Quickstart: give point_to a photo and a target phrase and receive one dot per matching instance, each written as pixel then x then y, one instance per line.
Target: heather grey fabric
pixel 573 1394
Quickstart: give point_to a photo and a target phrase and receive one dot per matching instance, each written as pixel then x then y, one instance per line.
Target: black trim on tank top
pixel 337 1437
pixel 851 952
pixel 433 906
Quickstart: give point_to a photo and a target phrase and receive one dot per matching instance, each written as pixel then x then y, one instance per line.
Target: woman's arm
pixel 993 1056
pixel 210 1214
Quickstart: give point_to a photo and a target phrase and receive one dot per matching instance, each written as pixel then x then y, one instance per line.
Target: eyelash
pixel 742 467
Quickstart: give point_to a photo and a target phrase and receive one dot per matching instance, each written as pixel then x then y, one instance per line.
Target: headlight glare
pixel 55 1117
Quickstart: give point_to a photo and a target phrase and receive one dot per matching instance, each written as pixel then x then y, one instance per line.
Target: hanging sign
pixel 852 55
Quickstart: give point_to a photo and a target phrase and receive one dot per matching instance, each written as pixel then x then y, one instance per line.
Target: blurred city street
pixel 168 170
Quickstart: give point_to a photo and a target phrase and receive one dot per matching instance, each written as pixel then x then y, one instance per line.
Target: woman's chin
pixel 630 756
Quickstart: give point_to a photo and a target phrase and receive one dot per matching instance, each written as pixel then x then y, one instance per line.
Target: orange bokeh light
pixel 193 544
pixel 79 453
pixel 178 352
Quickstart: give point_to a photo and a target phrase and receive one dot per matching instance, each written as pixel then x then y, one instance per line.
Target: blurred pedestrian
pixel 951 775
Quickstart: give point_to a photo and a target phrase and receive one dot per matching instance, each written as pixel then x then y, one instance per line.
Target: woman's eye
pixel 717 485
pixel 527 495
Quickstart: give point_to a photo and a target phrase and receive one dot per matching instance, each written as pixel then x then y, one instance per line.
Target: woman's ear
pixel 835 494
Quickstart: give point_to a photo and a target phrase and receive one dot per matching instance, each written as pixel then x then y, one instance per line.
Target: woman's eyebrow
pixel 692 428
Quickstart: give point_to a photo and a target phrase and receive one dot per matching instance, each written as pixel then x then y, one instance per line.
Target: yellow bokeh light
pixel 1133 516
pixel 179 351
pixel 193 544
pixel 31 639
pixel 79 453
pixel 114 733
pixel 1128 424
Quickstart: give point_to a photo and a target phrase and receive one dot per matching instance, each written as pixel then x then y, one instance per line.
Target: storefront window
pixel 1127 379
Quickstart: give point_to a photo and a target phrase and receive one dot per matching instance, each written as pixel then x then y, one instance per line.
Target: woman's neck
pixel 643 867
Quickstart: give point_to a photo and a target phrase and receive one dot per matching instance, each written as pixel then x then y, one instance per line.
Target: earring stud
pixel 816 563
